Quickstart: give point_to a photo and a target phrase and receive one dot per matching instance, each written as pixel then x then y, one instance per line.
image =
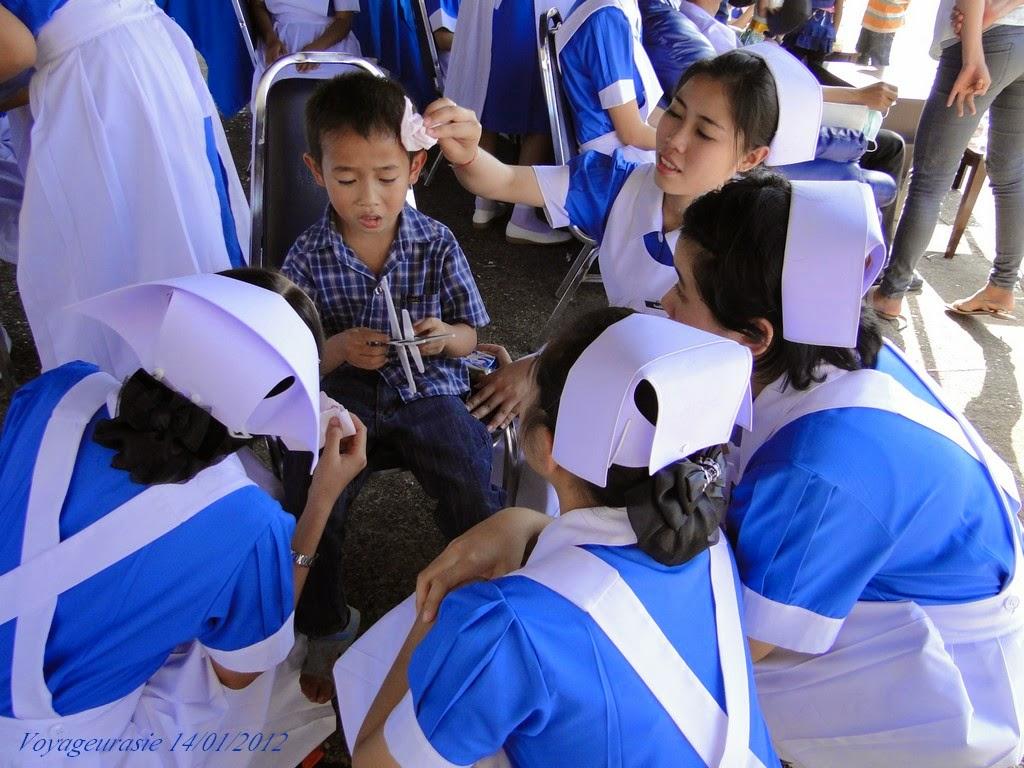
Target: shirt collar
pixel 593 525
pixel 410 230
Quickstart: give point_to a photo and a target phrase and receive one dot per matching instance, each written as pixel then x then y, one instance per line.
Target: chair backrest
pixel 250 32
pixel 284 198
pixel 563 132
pixel 427 44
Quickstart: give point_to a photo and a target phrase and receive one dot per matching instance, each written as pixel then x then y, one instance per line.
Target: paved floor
pixel 392 535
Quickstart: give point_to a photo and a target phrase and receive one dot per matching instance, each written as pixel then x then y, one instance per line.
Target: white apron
pixel 298 23
pixel 560 564
pixel 119 189
pixel 904 684
pixel 469 69
pixel 631 276
pixel 609 142
pixel 184 695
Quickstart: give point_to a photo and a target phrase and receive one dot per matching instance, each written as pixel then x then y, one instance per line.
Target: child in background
pixel 608 78
pixel 882 18
pixel 365 150
pixel 494 71
pixel 291 26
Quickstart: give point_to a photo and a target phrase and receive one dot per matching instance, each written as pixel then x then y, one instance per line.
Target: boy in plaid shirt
pixel 366 148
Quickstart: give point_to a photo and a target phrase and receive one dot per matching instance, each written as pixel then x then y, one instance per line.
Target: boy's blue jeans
pixel 447 450
pixel 941 140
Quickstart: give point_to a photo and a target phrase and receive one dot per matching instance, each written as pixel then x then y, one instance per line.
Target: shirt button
pixel 377 290
pixel 1011 603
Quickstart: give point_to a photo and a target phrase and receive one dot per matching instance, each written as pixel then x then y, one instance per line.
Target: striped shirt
pixel 428 274
pixel 885 15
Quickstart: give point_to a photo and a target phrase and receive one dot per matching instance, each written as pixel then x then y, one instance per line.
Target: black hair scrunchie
pixel 676 513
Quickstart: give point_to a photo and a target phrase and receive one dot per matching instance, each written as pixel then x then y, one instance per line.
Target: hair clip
pixel 414 132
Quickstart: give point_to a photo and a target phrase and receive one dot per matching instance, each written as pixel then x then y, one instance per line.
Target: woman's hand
pixel 973 80
pixel 490 549
pixel 457 130
pixel 340 462
pixel 273 50
pixel 504 394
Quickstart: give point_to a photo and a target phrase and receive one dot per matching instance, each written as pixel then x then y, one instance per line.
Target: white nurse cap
pixel 834 252
pixel 800 105
pixel 702 383
pixel 225 344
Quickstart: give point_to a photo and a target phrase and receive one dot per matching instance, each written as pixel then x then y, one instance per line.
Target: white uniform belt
pixel 605 144
pixel 981 619
pixel 296 16
pixel 79 21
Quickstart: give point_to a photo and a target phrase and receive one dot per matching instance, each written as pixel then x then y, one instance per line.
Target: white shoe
pixel 518 235
pixel 486 211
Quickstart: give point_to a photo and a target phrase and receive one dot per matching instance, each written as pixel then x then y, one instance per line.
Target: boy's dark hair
pixel 159 435
pixel 358 101
pixel 741 233
pixel 750 88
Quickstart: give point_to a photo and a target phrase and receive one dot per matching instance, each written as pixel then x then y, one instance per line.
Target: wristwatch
pixel 304 561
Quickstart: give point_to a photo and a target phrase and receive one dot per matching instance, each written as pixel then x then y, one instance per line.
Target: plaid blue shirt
pixel 428 274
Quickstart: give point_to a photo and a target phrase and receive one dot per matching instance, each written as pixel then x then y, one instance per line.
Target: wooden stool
pixel 973 166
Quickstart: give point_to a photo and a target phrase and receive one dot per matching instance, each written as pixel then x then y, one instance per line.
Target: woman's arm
pixel 336 31
pixel 273 48
pixel 458 133
pixel 17 46
pixel 974 79
pixel 878 95
pixel 371 749
pixel 630 127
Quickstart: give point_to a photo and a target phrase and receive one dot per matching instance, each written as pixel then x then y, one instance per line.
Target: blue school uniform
pixel 617 203
pixel 388 30
pixel 878 556
pixel 512 664
pixel 33 13
pixel 112 632
pixel 442 14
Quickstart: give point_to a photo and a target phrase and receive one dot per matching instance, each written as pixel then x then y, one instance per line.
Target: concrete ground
pixel 980 362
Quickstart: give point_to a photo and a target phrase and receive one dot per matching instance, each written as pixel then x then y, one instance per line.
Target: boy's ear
pixel 314 168
pixel 418 161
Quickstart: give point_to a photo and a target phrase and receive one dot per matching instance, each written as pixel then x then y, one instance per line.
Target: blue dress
pixel 510 663
pixel 112 632
pixel 515 97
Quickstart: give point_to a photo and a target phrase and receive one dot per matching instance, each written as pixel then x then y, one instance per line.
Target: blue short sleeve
pixel 443 14
pixel 583 192
pixel 249 623
pixel 805 549
pixel 599 59
pixel 461 301
pixel 475 678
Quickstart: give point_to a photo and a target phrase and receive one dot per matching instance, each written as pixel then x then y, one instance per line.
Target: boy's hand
pixel 362 347
pixel 878 96
pixel 432 326
pixel 457 130
pixel 342 459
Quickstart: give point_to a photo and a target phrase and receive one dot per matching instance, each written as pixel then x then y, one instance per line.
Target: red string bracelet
pixel 468 162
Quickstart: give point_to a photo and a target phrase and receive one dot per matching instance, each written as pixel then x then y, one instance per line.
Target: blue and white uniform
pixel 298 23
pixel 130 177
pixel 617 203
pixel 494 69
pixel 533 663
pixel 122 592
pixel 877 555
pixel 442 14
pixel 722 37
pixel 604 65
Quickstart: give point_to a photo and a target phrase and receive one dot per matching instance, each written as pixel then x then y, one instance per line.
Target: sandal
pixel 957 308
pixel 322 653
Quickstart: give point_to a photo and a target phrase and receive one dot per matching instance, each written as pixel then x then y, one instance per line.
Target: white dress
pixel 129 179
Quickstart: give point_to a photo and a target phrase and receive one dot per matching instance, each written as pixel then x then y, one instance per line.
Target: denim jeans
pixel 447 450
pixel 942 138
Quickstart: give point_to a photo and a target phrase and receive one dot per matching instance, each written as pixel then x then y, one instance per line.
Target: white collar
pixel 608 526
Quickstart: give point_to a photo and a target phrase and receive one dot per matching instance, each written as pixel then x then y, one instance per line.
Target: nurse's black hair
pixel 360 102
pixel 750 89
pixel 740 231
pixel 673 517
pixel 160 436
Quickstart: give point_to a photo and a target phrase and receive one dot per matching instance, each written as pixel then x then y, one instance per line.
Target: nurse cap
pixel 702 383
pixel 800 105
pixel 225 344
pixel 834 252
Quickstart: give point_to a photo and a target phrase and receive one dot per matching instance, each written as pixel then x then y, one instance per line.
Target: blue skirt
pixel 515 98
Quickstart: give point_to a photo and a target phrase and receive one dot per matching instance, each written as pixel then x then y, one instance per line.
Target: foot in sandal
pixel 317 677
pixel 990 300
pixel 886 307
